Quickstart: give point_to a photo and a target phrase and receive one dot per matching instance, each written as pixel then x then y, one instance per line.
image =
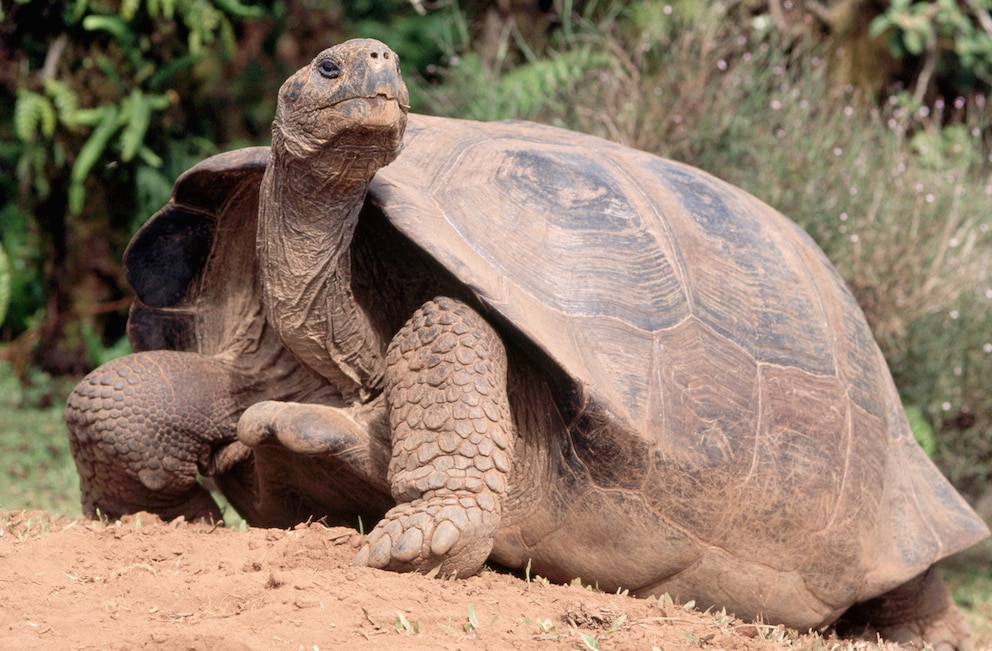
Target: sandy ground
pixel 145 584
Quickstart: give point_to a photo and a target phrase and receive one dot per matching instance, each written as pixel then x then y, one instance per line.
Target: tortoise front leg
pixel 317 461
pixel 142 426
pixel 452 443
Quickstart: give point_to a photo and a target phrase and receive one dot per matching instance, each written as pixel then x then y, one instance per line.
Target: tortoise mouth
pixel 375 112
pixel 370 105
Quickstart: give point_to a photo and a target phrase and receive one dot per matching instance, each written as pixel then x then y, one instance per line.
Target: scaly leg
pixel 452 443
pixel 142 426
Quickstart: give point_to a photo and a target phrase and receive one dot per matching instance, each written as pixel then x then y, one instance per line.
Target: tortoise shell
pixel 716 370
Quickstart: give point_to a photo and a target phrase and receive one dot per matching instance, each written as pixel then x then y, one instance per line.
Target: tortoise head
pixel 345 111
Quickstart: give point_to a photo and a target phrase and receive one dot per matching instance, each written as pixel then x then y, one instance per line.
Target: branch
pixel 819 11
pixel 981 15
pixel 778 15
pixel 929 65
pixel 55 51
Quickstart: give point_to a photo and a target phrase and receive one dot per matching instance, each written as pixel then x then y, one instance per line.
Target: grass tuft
pixel 36 467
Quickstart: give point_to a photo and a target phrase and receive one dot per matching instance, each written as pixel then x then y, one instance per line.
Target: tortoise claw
pixel 453 533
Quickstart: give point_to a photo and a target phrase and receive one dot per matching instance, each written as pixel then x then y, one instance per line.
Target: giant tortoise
pixel 513 342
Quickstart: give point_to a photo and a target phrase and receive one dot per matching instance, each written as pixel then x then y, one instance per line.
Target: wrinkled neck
pixel 307 217
pixel 314 218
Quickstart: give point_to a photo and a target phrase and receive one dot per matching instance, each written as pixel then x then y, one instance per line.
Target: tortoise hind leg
pixel 918 612
pixel 452 443
pixel 143 425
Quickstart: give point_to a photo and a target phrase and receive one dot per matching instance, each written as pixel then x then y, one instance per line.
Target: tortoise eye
pixel 329 69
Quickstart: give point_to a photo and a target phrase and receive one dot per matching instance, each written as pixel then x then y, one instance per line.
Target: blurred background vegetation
pixel 866 121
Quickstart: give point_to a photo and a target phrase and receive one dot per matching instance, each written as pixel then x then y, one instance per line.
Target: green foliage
pixel 105 106
pixel 524 92
pixel 36 468
pixel 119 125
pixel 33 113
pixel 206 23
pixel 24 257
pixel 545 84
pixel 922 429
pixel 960 33
pixel 416 38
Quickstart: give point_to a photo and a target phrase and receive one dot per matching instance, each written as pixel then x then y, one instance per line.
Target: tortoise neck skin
pixel 339 120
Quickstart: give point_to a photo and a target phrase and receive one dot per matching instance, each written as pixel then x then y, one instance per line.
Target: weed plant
pixel 898 195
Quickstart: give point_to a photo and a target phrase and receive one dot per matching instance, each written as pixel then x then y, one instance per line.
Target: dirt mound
pixel 145 584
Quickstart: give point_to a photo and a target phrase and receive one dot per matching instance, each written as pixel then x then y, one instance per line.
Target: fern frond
pixel 65 101
pixel 27 115
pixel 128 9
pixel 89 154
pixel 137 112
pixel 49 119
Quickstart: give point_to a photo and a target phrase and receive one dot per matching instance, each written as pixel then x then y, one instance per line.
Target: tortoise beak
pixel 374 73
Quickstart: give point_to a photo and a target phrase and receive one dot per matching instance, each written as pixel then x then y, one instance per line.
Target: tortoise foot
pixel 453 533
pixel 943 631
pixel 303 428
pixel 318 431
pixel 920 613
pixel 452 443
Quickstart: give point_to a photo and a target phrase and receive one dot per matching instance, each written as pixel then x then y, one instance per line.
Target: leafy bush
pixel 100 102
pixel 944 35
pixel 142 52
